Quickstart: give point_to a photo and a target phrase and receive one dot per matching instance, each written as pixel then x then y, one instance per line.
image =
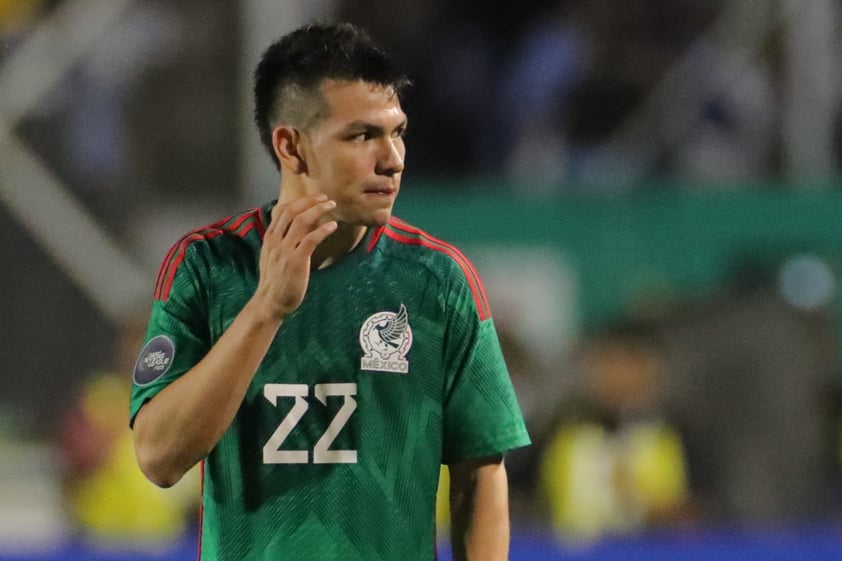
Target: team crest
pixel 385 338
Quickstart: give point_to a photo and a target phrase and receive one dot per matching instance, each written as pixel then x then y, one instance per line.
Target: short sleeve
pixel 177 336
pixel 481 413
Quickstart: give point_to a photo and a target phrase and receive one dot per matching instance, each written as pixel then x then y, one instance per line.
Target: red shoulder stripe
pixel 261 222
pixel 166 275
pixel 374 237
pixel 178 258
pixel 474 281
pixel 471 271
pixel 162 271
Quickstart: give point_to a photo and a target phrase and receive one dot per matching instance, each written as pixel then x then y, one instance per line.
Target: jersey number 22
pixel 272 454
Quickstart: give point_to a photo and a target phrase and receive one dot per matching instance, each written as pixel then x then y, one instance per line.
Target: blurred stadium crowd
pixel 544 95
pixel 721 408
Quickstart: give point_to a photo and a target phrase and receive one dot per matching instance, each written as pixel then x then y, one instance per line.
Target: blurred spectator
pixel 16 18
pixel 615 462
pixel 547 64
pixel 110 501
pixel 136 125
pixel 523 93
pixel 749 376
pixel 454 52
pixel 733 139
pixel 833 401
pixel 528 93
pixel 98 133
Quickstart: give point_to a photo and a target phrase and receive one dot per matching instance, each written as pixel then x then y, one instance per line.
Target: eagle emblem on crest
pixel 385 338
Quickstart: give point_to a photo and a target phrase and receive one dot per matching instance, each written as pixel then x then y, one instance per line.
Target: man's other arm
pixel 479 505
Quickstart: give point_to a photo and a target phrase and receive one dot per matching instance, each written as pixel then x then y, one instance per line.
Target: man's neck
pixel 337 245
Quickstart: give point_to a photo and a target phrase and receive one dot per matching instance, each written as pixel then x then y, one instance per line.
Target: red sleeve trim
pixel 419 237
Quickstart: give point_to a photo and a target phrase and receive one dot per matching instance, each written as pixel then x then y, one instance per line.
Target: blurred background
pixel 651 190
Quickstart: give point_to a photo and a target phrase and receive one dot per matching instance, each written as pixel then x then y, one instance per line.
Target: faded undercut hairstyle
pixel 288 76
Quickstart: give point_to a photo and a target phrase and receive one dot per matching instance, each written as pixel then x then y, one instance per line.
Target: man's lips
pixel 380 191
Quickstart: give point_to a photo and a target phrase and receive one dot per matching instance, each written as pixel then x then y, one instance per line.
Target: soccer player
pixel 320 357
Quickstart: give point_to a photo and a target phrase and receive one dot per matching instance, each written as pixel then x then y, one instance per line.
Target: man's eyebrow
pixel 363 126
pixel 372 128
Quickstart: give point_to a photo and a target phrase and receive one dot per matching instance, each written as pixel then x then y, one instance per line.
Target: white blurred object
pixel 533 291
pixel 31 512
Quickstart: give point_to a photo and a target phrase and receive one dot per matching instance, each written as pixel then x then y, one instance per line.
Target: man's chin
pixel 380 217
pixel 371 218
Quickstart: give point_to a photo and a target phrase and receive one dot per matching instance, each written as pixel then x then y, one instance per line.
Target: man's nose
pixel 391 158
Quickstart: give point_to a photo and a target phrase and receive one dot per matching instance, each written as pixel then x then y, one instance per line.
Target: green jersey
pixel 390 367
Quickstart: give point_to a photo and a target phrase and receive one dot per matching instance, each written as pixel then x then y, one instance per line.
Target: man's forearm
pixel 181 424
pixel 479 504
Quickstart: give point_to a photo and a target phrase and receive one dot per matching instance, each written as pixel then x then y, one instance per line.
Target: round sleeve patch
pixel 154 361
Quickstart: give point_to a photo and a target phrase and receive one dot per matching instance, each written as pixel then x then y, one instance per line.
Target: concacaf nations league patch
pixel 154 360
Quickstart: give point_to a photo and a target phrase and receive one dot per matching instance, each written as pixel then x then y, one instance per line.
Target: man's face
pixel 355 155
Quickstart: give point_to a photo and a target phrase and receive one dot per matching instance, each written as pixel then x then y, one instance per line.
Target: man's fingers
pixel 283 215
pixel 307 220
pixel 309 242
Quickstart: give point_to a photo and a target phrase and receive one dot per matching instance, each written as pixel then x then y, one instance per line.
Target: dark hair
pixel 290 71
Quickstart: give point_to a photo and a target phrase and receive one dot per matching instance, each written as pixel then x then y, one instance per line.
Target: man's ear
pixel 286 141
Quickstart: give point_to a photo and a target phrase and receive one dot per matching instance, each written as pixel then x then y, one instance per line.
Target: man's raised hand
pixel 296 229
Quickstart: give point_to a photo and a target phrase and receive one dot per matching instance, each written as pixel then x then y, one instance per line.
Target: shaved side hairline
pixel 303 107
pixel 296 104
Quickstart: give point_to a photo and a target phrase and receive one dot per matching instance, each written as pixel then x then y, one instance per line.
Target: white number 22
pixel 321 451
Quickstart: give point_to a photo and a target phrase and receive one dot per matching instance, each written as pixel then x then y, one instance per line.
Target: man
pixel 321 357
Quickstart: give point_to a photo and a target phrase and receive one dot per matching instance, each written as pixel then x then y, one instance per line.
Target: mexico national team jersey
pixel 390 367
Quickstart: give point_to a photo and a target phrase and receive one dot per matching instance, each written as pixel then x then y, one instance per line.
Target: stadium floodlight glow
pixel 806 282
